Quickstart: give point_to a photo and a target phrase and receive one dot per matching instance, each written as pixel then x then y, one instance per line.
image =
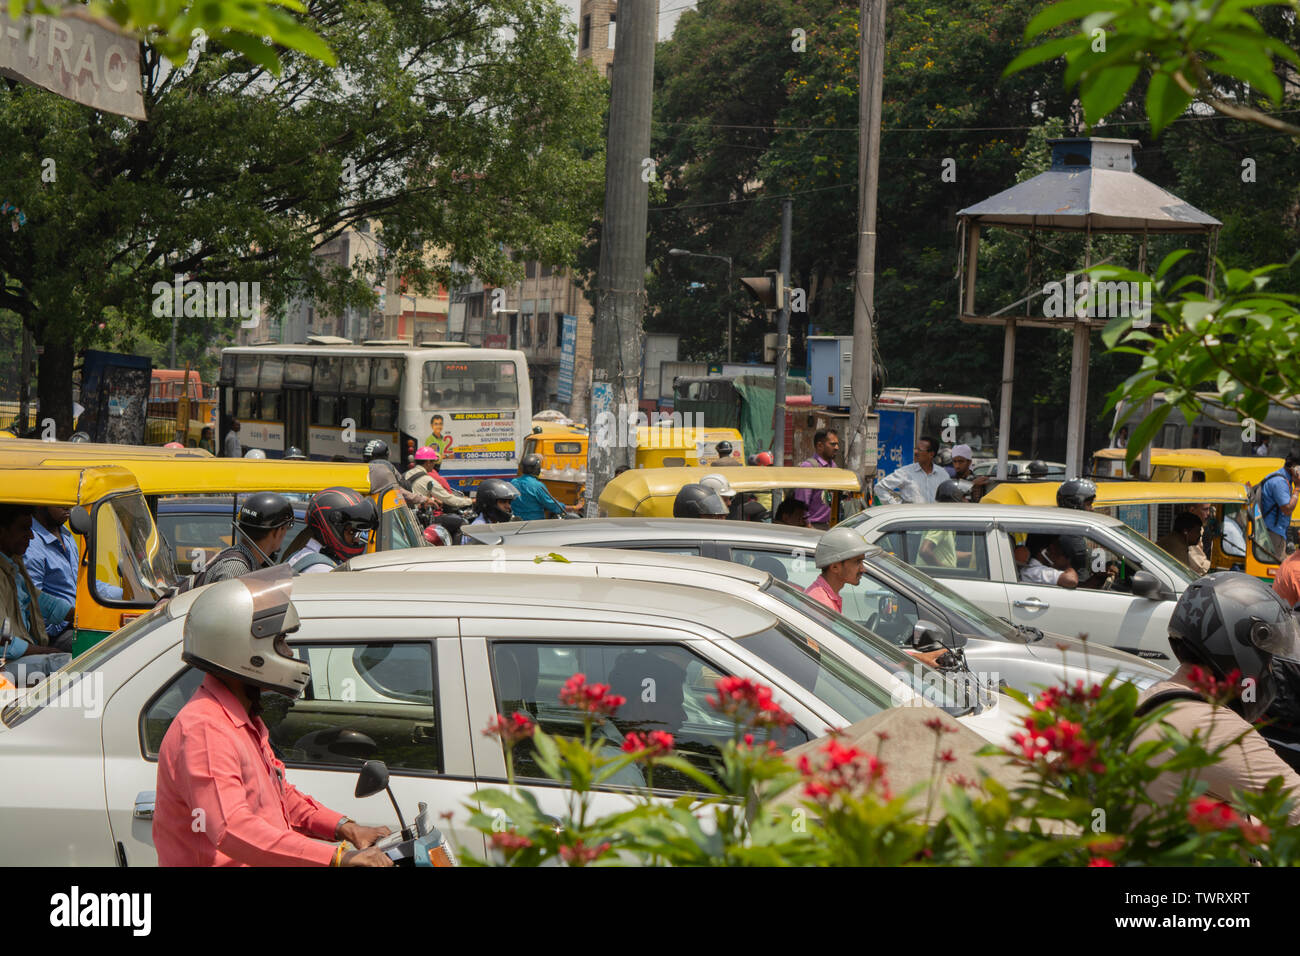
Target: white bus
pixel 473 404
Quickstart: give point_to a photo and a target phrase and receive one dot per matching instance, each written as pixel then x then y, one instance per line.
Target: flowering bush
pixel 1082 799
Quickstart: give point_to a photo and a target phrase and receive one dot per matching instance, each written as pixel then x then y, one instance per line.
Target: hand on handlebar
pixel 367 857
pixel 362 837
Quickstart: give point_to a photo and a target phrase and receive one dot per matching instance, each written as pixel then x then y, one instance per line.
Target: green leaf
pixel 1046 51
pixel 1102 93
pixel 1166 101
pixel 1059 13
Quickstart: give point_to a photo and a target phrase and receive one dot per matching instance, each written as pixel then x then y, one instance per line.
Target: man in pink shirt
pixel 839 558
pixel 222 798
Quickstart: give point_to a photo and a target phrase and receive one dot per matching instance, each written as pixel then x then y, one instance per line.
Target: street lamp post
pixel 727 260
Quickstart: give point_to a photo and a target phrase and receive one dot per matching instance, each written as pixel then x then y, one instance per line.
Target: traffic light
pixel 767 289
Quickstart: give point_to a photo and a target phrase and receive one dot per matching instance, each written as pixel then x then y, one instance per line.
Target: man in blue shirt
pixel 534 501
pixel 1278 494
pixel 52 560
pixel 23 605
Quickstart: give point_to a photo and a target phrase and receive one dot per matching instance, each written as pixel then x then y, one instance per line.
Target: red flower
pixel 1217 691
pixel 1207 814
pixel 590 698
pixel 1254 832
pixel 947 756
pixel 844 769
pixel 510 843
pixel 963 781
pixel 653 744
pixel 580 855
pixel 939 727
pixel 511 730
pixel 748 703
pixel 1100 861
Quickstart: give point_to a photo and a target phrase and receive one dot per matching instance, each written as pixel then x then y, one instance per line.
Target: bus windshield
pixel 469 385
pixel 973 423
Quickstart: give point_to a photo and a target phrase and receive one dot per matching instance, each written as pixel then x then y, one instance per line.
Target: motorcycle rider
pixel 263 521
pixel 425 479
pixel 698 501
pixel 493 503
pixel 1077 493
pixel 1222 623
pixel 383 473
pixel 340 522
pixel 222 798
pixel 535 502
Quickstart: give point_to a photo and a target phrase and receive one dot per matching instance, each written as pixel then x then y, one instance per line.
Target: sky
pixel 669 11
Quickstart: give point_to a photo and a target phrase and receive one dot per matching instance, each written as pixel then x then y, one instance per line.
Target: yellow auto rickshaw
pixel 125 566
pixel 668 446
pixel 563 450
pixel 650 492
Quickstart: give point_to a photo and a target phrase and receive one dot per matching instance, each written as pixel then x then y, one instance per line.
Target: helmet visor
pixel 1280 637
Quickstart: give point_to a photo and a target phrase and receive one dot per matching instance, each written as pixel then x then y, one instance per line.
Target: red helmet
pixel 334 512
pixel 764 458
pixel 173 444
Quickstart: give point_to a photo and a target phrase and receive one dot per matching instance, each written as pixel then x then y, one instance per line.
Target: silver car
pixel 892 598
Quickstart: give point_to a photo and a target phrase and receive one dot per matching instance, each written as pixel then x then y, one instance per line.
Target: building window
pixel 586 32
pixel 546 271
pixel 610 42
pixel 530 269
pixel 559 329
pixel 542 329
pixel 609 70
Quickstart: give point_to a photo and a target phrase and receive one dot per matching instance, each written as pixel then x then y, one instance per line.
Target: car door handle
pixel 144 801
pixel 1033 604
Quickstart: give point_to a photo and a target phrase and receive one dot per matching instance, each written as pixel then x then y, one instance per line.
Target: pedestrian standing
pixel 231 447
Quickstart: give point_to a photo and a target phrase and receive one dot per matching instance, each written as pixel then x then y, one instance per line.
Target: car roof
pixel 948 512
pixel 577 554
pixel 498 594
pixel 69 485
pixel 622 528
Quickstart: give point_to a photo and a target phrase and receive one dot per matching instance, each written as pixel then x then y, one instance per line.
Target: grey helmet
pixel 698 501
pixel 1232 621
pixel 839 544
pixel 954 489
pixel 294 454
pixel 491 493
pixel 1037 468
pixel 719 484
pixel 1076 493
pixel 236 629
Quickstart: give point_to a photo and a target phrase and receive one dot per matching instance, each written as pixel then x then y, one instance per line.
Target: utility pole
pixel 620 283
pixel 871 77
pixel 783 333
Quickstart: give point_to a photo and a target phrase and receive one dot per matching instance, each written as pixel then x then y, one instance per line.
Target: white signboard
pixel 76 56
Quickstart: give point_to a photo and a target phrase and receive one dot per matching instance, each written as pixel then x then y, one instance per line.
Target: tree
pixel 1238 338
pixel 462 126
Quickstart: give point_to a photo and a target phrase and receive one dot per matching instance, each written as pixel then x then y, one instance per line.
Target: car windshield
pixel 1148 552
pixel 84 664
pixel 830 679
pixel 971 618
pixel 909 671
pixel 469 386
pixel 130 561
pixel 399 528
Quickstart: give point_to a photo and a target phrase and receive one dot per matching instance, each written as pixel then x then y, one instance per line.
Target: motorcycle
pixel 419 845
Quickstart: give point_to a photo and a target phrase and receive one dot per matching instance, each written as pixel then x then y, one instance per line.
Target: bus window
pixel 383 414
pixel 356 375
pixel 297 370
pixel 386 376
pixel 326 376
pixel 246 405
pixel 354 407
pixel 270 407
pixel 272 376
pixel 473 386
pixel 246 371
pixel 325 410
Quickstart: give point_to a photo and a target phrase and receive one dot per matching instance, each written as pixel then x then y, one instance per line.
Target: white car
pixel 409 668
pixel 1133 616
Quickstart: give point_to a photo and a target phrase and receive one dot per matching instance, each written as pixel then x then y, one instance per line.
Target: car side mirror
pixel 79 520
pixel 1147 585
pixel 372 778
pixel 925 635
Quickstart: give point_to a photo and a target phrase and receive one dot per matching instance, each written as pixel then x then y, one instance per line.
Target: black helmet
pixel 1229 621
pixel 1075 547
pixel 264 511
pixel 375 448
pixel 1037 468
pixel 294 454
pixel 1077 493
pixel 491 494
pixel 698 501
pixel 334 512
pixel 724 449
pixel 531 465
pixel 954 489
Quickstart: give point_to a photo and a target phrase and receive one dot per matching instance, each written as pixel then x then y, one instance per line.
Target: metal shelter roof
pixel 1091 183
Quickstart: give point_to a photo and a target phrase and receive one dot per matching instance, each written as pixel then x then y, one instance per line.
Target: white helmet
pixel 254 453
pixel 236 629
pixel 719 484
pixel 839 544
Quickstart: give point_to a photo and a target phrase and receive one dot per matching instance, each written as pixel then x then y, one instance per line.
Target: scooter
pixel 420 845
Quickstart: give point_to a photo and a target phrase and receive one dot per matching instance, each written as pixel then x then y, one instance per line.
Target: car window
pixel 1091 557
pixel 941 552
pixel 372 700
pixel 874 604
pixel 687 549
pixel 666 686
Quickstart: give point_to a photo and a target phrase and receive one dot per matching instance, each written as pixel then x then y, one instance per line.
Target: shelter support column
pixel 1004 410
